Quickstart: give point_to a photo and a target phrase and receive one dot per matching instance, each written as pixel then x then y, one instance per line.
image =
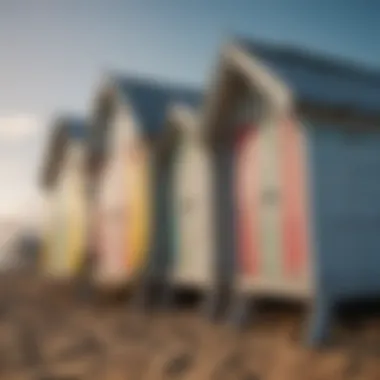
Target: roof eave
pixel 55 153
pixel 179 118
pixel 343 116
pixel 259 76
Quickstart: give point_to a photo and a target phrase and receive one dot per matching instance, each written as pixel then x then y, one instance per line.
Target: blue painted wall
pixel 345 175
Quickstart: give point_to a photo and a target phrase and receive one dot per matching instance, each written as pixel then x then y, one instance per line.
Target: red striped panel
pixel 293 199
pixel 247 207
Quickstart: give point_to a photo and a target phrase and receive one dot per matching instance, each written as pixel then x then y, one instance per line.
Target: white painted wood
pixel 269 167
pixel 193 212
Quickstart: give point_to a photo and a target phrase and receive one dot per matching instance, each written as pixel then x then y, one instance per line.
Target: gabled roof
pixel 317 78
pixel 150 99
pixel 179 118
pixel 64 130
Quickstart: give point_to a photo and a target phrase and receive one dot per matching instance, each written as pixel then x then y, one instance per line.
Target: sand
pixel 46 333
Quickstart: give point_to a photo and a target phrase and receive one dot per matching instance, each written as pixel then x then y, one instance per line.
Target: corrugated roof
pixel 150 99
pixel 319 78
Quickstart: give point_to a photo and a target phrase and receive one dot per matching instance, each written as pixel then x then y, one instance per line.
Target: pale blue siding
pixel 346 188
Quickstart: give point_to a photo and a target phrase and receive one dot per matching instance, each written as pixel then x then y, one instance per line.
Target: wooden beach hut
pixel 186 181
pixel 64 185
pixel 128 121
pixel 303 172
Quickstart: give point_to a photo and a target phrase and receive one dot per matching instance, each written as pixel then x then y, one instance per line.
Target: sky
pixel 53 54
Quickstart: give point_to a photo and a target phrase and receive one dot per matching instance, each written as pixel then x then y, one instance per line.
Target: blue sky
pixel 53 53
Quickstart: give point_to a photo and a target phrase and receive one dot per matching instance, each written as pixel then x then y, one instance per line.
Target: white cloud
pixel 21 138
pixel 14 128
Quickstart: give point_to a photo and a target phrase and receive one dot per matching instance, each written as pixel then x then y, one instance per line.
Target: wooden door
pixel 269 202
pixel 112 249
pixel 271 210
pixel 194 236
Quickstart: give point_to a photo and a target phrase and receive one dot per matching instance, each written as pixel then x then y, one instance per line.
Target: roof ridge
pixel 154 81
pixel 320 61
pixel 150 97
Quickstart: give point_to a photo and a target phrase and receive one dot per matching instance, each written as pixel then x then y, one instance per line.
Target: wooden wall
pixel 66 221
pixel 193 233
pixel 124 202
pixel 273 246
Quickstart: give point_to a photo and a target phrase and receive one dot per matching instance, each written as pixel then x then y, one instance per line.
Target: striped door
pixel 271 203
pixel 112 215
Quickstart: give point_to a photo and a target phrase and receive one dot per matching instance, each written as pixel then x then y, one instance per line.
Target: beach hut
pixel 128 120
pixel 187 190
pixel 63 181
pixel 305 184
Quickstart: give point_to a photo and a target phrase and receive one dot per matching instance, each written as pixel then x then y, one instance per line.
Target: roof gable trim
pixel 260 77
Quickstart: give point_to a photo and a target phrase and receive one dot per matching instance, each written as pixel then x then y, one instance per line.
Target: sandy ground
pixel 46 334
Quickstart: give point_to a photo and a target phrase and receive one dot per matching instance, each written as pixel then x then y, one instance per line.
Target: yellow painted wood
pixel 56 250
pixel 66 235
pixel 76 224
pixel 51 242
pixel 138 224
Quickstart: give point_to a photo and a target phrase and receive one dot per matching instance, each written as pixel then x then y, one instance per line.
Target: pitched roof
pixel 319 78
pixel 151 98
pixel 64 130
